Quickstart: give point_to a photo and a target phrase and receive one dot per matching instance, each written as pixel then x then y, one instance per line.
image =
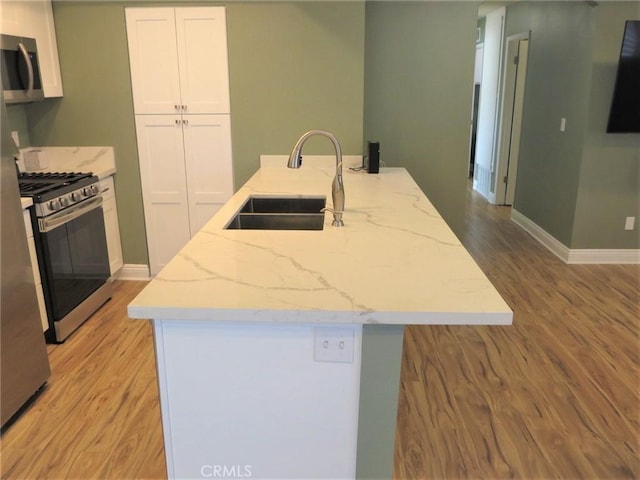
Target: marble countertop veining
pixel 395 261
pixel 98 160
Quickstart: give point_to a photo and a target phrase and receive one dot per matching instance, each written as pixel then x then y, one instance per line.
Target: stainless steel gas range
pixel 71 247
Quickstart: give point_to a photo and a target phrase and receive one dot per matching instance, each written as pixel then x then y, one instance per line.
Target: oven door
pixel 74 255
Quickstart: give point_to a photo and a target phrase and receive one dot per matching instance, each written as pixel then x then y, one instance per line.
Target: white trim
pixel 556 247
pixel 630 256
pixel 574 256
pixel 133 272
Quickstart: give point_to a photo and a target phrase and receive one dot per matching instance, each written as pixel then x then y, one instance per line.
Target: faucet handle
pixel 337 216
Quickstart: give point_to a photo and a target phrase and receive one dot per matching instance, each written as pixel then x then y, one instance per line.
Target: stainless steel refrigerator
pixel 24 365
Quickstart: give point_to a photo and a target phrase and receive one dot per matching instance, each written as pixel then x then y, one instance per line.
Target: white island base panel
pixel 250 400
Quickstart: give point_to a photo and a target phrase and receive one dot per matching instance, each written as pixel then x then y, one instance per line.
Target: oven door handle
pixel 47 224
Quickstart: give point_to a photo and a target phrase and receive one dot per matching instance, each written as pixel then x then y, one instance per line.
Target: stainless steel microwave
pixel 21 80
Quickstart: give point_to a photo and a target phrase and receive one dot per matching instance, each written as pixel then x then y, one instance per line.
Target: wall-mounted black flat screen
pixel 624 116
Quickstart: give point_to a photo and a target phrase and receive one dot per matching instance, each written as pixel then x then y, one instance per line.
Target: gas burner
pixel 58 177
pixel 53 191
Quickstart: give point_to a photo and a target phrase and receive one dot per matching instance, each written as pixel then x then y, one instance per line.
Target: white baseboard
pixel 132 271
pixel 575 256
pixel 604 256
pixel 556 247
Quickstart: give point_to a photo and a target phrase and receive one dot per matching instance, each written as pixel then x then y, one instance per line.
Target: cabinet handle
pixel 177 107
pixel 184 107
pixel 185 122
pixel 177 121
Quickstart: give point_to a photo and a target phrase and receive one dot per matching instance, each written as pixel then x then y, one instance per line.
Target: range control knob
pixel 95 190
pixel 76 196
pixel 54 205
pixel 86 191
pixel 64 201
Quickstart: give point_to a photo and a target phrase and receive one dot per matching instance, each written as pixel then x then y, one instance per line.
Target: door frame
pixel 511 113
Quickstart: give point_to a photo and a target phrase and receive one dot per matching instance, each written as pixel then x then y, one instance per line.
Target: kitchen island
pixel 278 352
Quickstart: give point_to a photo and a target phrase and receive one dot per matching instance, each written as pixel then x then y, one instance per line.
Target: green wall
pixel 419 60
pixel 293 66
pixel 578 185
pixel 609 186
pixel 557 86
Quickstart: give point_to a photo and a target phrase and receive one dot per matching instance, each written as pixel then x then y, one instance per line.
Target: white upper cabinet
pixel 178 60
pixel 34 19
pixel 202 59
pixel 153 55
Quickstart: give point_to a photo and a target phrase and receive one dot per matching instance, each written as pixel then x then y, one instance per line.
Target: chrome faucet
pixel 337 188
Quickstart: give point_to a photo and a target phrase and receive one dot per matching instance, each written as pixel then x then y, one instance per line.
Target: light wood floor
pixel 556 395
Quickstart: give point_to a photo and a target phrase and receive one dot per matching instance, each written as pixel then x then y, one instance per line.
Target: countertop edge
pixel 319 316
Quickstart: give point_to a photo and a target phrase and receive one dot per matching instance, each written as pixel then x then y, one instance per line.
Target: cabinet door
pixel 12 17
pixel 164 188
pixel 207 147
pixel 202 55
pixel 112 229
pixel 153 55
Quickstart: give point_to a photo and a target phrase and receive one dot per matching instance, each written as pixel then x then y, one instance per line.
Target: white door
pixel 202 55
pixel 511 117
pixel 207 147
pixel 484 169
pixel 164 186
pixel 153 58
pixel 516 128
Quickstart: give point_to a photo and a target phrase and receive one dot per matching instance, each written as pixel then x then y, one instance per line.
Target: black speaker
pixel 373 154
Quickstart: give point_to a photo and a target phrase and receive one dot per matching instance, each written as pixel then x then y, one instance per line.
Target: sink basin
pixel 277 221
pixel 280 213
pixel 283 205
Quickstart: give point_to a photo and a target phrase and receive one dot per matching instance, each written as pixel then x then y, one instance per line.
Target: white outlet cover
pixel 629 223
pixel 333 344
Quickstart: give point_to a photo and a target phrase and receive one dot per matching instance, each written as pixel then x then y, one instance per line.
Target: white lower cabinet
pixel 112 229
pixel 36 271
pixel 186 175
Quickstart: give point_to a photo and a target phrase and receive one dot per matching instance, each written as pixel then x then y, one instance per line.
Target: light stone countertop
pixel 98 160
pixel 26 202
pixel 394 262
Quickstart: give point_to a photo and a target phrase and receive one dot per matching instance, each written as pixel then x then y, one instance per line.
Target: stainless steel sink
pixel 283 205
pixel 280 213
pixel 277 221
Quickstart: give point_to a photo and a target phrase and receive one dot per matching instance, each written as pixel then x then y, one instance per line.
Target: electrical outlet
pixel 629 223
pixel 333 344
pixel 563 124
